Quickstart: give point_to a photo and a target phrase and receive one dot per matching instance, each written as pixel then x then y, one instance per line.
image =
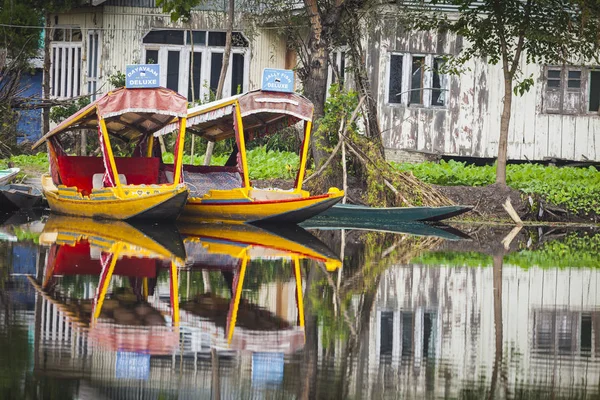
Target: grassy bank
pixel 575 189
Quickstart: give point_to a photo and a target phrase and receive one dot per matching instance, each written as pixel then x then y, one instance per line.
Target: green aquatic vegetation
pixel 24 235
pixel 454 258
pixel 33 165
pixel 573 251
pixel 576 189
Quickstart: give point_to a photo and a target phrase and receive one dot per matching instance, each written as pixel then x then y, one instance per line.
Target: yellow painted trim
pixel 236 303
pixel 150 146
pixel 179 156
pixel 296 261
pixel 175 289
pixel 242 150
pixel 111 157
pixel 304 155
pixel 103 290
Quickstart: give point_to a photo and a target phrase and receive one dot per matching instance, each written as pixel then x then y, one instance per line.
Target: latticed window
pixel 65 73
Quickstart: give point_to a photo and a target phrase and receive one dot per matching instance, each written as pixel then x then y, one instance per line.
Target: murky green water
pixel 93 310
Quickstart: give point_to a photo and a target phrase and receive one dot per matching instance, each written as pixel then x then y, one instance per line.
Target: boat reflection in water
pixel 231 249
pixel 82 252
pixel 119 303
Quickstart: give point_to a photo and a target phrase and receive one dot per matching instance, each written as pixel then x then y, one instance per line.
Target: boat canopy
pixel 128 113
pixel 262 112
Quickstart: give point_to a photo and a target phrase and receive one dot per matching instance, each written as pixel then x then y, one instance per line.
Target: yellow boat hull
pixel 134 202
pixel 236 208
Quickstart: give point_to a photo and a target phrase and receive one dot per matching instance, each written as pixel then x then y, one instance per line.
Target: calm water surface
pixel 92 310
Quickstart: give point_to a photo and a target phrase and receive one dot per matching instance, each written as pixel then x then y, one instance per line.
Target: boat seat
pixel 200 183
pixel 97 180
pixel 269 194
pixel 169 176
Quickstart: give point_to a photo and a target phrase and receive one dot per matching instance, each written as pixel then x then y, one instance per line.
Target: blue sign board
pixel 142 76
pixel 267 369
pixel 278 80
pixel 132 365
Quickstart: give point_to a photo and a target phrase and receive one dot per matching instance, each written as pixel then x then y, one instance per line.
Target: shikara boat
pixel 386 215
pixel 135 186
pixel 232 249
pixel 120 318
pixel 17 197
pixel 7 175
pixel 225 192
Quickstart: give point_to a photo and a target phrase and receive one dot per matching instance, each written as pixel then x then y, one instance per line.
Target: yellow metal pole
pixel 175 293
pixel 150 146
pixel 304 155
pixel 145 288
pixel 238 295
pixel 111 157
pixel 242 149
pixel 296 260
pixel 179 156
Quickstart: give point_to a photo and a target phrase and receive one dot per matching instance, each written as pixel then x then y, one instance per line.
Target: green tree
pixel 509 31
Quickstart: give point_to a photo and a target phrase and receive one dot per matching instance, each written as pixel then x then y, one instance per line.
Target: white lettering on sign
pixel 142 70
pixel 135 82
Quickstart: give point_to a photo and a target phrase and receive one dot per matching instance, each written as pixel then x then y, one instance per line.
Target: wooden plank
pixel 569 125
pixel 530 99
pixel 594 138
pixel 582 147
pixel 554 135
pixel 540 148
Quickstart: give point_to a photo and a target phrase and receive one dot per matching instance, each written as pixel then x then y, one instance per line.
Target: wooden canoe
pixel 19 197
pixel 344 213
pixel 7 175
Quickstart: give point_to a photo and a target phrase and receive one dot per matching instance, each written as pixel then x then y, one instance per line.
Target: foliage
pixel 117 79
pixel 178 9
pixel 262 164
pixel 60 113
pixel 454 258
pixel 24 235
pixel 33 165
pixel 573 251
pixel 577 189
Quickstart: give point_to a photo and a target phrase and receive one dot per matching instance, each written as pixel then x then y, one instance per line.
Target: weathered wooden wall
pixel 123 29
pixel 469 124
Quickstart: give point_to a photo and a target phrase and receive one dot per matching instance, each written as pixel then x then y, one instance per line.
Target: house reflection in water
pixel 434 330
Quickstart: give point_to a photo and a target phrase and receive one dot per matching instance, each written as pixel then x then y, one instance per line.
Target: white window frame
pixel 93 78
pixel 184 61
pixel 407 61
pixel 337 56
pixel 68 49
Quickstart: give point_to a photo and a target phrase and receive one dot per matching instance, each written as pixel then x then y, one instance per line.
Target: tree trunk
pixel 219 94
pixel 504 124
pixel 227 54
pixel 497 278
pixel 46 76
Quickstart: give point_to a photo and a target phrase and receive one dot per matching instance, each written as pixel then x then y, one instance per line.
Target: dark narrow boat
pixel 346 213
pixel 19 197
